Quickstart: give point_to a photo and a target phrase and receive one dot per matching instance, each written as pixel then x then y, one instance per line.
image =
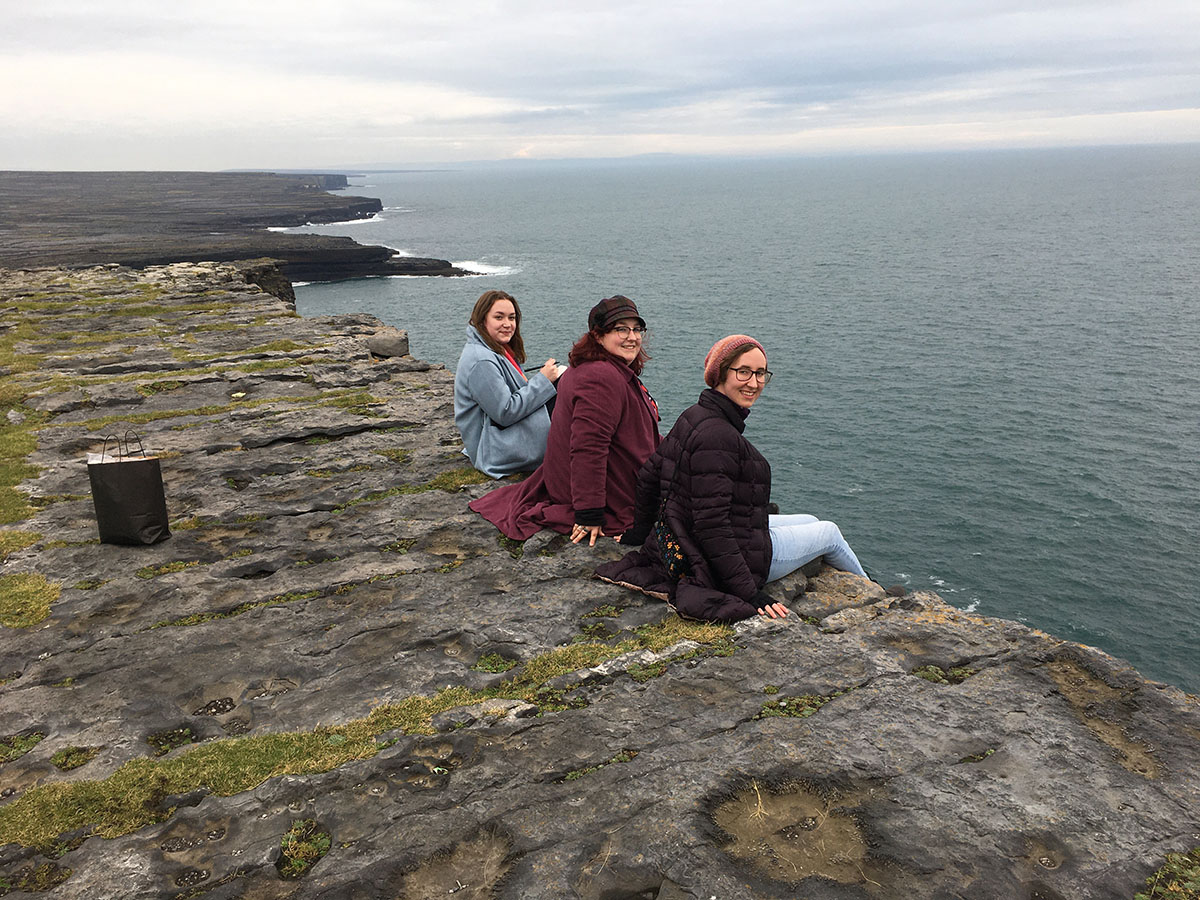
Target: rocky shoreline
pixel 140 219
pixel 334 681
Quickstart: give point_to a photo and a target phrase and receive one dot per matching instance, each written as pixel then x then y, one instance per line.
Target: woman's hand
pixel 550 370
pixel 579 532
pixel 774 611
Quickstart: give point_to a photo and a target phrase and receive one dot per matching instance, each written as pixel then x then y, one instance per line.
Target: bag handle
pixel 129 443
pixel 123 451
pixel 104 449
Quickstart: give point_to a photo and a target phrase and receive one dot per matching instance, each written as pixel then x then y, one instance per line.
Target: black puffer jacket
pixel 712 489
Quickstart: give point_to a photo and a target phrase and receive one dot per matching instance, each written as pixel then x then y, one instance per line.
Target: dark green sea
pixel 987 365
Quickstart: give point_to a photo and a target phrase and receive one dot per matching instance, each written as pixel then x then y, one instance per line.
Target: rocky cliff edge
pixel 335 681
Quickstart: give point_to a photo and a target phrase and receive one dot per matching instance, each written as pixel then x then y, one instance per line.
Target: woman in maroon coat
pixel 605 425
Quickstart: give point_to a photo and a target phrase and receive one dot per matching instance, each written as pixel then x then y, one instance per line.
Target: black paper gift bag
pixel 127 491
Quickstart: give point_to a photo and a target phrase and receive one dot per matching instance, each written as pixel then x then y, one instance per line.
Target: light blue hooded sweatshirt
pixel 502 418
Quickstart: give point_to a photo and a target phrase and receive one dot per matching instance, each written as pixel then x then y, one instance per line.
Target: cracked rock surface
pixel 330 636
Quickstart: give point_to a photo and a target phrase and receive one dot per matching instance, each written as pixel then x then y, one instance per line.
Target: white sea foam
pixel 483 269
pixel 374 217
pixel 972 606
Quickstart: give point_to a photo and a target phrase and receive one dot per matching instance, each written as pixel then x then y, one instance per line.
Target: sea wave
pixel 481 269
pixel 374 217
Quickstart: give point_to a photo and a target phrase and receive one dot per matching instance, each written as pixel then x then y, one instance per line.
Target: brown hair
pixel 478 321
pixel 589 349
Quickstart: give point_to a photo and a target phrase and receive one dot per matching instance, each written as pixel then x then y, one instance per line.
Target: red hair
pixel 589 349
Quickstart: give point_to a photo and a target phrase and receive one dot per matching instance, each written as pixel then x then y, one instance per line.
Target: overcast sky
pixel 149 84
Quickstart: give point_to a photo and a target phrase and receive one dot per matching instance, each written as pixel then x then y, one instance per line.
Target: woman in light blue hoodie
pixel 500 412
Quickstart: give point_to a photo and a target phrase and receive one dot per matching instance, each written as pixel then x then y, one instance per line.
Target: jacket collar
pixel 715 400
pixel 622 366
pixel 651 403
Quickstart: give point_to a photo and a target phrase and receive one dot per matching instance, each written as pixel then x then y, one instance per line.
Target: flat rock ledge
pixel 144 219
pixel 335 681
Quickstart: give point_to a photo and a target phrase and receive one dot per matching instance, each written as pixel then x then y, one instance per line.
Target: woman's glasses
pixel 625 331
pixel 743 373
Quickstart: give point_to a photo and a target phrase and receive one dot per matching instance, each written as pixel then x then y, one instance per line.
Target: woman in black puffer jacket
pixel 701 511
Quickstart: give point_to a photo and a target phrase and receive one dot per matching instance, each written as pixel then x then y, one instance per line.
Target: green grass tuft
pixel 642 674
pixel 12 541
pixel 452 481
pixel 167 569
pixel 623 757
pixel 164 742
pixel 515 549
pixel 158 387
pixel 493 662
pixel 25 599
pixel 16 443
pixel 34 880
pixel 1177 879
pixel 395 454
pixel 800 707
pixel 938 675
pixel 201 618
pixel 301 847
pixel 18 745
pixel 73 757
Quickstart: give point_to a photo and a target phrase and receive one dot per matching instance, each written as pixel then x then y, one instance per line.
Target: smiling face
pixel 621 341
pixel 743 393
pixel 501 321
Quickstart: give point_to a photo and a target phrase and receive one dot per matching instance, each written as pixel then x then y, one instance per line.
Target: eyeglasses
pixel 743 373
pixel 625 331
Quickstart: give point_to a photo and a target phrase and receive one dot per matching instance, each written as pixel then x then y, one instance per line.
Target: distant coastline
pixel 140 219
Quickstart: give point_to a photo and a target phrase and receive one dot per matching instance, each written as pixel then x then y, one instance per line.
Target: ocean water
pixel 987 365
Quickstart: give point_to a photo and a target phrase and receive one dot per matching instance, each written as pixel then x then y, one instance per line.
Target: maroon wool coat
pixel 603 428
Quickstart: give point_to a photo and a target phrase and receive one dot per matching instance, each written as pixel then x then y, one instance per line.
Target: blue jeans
pixel 798 539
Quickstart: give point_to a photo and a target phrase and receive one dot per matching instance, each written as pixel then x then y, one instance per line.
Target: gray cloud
pixel 145 84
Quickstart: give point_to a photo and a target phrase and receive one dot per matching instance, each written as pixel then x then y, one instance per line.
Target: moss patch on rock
pixel 73 757
pixel 302 847
pixel 18 745
pixel 25 599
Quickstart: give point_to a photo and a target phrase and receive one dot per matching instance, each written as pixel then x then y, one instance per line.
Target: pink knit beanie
pixel 724 350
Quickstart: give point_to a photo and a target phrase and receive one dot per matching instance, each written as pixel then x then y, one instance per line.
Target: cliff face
pixel 332 659
pixel 143 219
